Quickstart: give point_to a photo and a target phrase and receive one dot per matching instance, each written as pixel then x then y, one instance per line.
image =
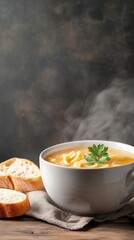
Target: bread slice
pixel 13 203
pixel 20 174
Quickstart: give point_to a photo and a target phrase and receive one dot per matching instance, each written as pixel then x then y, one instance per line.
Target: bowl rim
pixel 80 142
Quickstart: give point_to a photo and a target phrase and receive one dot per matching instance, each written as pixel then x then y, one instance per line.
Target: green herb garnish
pixel 98 154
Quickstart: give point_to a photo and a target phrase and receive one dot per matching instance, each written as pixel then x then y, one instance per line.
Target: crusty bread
pixel 20 174
pixel 13 203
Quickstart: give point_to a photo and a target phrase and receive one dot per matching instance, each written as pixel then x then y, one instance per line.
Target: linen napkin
pixel 43 208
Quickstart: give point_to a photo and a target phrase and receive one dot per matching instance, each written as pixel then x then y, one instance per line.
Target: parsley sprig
pixel 98 154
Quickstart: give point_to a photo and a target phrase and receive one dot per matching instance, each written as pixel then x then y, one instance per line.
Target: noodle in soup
pixel 75 158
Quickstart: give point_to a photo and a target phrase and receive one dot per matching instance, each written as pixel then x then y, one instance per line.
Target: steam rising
pixel 109 115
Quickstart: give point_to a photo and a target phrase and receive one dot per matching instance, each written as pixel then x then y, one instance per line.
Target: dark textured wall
pixel 54 52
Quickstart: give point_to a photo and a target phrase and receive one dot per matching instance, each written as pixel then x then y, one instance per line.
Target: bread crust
pixel 20 183
pixel 6 182
pixel 26 184
pixel 10 210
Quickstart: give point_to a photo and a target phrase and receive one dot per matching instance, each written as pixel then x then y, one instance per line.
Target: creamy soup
pixel 74 157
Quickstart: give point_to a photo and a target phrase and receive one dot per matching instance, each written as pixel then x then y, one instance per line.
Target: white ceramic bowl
pixel 88 191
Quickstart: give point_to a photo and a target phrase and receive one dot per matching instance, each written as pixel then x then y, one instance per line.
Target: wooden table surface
pixel 28 228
